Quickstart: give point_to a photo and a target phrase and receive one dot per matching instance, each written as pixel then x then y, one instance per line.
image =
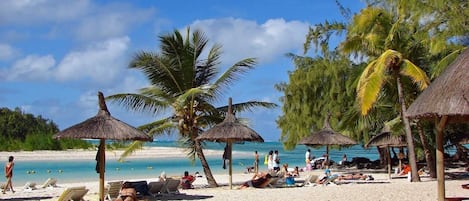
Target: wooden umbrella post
pixel 440 164
pixel 230 169
pixel 102 161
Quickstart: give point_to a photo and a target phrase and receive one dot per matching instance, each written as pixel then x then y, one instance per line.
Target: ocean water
pixel 84 170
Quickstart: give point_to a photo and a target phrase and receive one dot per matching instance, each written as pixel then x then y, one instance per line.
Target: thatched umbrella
pixel 230 131
pixel 386 140
pixel 447 100
pixel 102 126
pixel 327 137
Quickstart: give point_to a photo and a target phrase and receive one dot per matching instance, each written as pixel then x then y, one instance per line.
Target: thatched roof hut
pixel 447 95
pixel 447 100
pixel 102 126
pixel 230 131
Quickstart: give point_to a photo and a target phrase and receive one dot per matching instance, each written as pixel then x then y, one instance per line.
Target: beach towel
pixel 266 159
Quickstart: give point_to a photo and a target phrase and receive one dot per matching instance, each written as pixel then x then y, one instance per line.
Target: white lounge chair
pixel 155 188
pixel 29 186
pixel 73 194
pixel 50 183
pixel 113 189
pixel 172 186
pixel 310 180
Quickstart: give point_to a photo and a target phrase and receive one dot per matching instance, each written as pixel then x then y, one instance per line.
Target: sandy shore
pixel 395 189
pixel 146 152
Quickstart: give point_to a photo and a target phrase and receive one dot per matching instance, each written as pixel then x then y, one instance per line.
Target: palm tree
pixel 375 33
pixel 181 80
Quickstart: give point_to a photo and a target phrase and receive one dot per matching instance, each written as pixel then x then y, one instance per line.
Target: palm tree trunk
pixel 431 163
pixel 408 132
pixel 203 161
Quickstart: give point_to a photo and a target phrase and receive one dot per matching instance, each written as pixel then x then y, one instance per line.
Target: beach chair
pixel 172 186
pixel 273 181
pixel 310 180
pixel 50 183
pixel 73 194
pixel 112 189
pixel 155 188
pixel 29 186
pixel 330 180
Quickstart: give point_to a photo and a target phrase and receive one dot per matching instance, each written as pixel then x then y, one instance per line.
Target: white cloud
pixel 32 67
pixel 32 12
pixel 6 52
pixel 244 38
pixel 101 61
pixel 111 21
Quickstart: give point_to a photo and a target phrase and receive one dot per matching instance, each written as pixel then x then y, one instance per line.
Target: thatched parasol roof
pixel 386 139
pixel 230 130
pixel 103 126
pixel 446 99
pixel 327 136
pixel 447 95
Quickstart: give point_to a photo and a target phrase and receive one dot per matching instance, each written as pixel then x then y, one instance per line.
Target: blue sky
pixel 56 54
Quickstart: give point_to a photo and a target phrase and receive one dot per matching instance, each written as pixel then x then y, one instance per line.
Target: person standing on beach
pixel 276 160
pixel 270 161
pixel 9 174
pixel 308 160
pixel 256 162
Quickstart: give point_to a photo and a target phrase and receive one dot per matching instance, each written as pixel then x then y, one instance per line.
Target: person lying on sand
pixel 259 180
pixel 127 193
pixel 355 176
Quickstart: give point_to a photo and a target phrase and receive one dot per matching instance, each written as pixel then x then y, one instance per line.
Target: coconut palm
pixel 376 34
pixel 180 79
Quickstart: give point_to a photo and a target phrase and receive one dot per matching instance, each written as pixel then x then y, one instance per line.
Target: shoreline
pixel 81 154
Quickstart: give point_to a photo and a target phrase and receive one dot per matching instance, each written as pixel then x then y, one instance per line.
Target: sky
pixel 55 55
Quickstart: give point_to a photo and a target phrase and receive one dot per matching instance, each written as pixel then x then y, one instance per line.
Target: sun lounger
pixel 73 194
pixel 50 183
pixel 273 182
pixel 172 186
pixel 113 189
pixel 310 180
pixel 29 186
pixel 155 188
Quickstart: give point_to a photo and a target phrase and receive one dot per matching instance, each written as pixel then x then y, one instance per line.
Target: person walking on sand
pixel 9 174
pixel 256 162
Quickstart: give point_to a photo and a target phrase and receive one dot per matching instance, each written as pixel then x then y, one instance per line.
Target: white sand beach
pixel 383 189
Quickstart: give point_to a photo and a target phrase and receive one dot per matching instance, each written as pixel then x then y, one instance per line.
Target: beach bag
pixel 290 181
pixel 266 160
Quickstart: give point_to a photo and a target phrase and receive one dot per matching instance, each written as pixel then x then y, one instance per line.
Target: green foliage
pixel 316 87
pixel 21 131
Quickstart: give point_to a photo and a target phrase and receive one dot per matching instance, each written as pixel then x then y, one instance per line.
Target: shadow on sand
pixel 181 196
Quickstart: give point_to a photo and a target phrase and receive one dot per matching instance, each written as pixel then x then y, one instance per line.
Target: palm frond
pixel 248 106
pixel 417 75
pixel 369 85
pixel 130 149
pixel 159 127
pixel 232 74
pixel 138 102
pixel 443 63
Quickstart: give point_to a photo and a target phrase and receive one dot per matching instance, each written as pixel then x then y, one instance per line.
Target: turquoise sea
pixel 84 170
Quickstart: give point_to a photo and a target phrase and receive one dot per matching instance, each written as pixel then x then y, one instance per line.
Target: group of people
pixel 129 193
pixel 273 161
